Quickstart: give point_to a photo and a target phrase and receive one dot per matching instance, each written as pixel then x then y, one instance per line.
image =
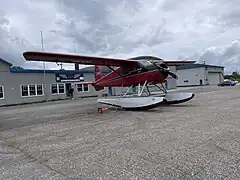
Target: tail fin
pixel 98 75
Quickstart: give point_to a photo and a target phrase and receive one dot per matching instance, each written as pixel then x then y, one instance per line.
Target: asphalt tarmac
pixel 69 139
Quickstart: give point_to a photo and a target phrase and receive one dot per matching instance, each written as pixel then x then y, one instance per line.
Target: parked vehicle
pixel 227 83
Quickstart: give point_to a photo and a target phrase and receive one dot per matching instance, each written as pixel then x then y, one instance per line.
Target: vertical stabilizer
pixel 98 75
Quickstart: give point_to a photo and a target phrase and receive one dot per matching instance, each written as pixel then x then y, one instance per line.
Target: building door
pixel 110 91
pixel 68 87
pixel 214 78
pixel 166 84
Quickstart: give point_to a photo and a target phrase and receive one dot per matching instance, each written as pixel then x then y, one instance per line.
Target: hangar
pixel 199 75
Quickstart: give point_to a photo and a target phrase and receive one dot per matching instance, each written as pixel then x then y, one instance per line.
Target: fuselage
pixel 132 76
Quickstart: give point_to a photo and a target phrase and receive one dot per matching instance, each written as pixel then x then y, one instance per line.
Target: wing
pixel 68 58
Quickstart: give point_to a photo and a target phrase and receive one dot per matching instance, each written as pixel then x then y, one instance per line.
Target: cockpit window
pixel 144 63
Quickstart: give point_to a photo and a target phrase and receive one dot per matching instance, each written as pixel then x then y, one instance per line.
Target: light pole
pixel 74 47
pixel 74 44
pixel 44 71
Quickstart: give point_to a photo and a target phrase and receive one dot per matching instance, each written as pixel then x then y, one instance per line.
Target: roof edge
pixel 8 63
pixel 197 65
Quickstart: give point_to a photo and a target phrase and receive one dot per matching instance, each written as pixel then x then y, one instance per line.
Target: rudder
pixel 98 75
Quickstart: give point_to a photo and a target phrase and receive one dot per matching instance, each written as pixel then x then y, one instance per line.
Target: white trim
pixel 28 90
pixel 1 86
pixel 64 85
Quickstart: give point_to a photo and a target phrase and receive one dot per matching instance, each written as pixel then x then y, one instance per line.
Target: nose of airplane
pixel 165 69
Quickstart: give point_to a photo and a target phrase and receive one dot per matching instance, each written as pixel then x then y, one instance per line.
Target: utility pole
pixel 44 69
pixel 75 52
pixel 74 45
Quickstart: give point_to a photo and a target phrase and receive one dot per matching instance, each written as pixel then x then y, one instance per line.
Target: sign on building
pixel 69 77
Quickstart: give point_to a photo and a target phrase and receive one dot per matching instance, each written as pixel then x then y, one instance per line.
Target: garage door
pixel 213 78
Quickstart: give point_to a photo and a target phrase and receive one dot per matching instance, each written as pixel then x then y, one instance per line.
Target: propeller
pixel 173 75
pixel 164 68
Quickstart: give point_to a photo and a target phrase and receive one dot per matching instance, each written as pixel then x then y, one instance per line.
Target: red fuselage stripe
pixel 113 79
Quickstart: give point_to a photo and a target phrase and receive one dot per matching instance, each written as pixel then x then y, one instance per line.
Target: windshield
pixel 145 63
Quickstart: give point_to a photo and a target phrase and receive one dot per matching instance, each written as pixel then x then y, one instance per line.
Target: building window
pixel 54 89
pixel 58 89
pixel 80 87
pixel 1 92
pixel 83 87
pixel 24 90
pixel 39 89
pixel 31 90
pixel 61 88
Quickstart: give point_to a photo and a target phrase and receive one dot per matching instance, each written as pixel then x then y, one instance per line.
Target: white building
pixel 199 74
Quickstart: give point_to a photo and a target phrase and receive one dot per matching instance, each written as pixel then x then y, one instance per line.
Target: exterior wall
pixel 88 77
pixel 4 72
pixel 5 83
pixel 171 83
pixel 4 67
pixel 215 69
pixel 191 77
pixel 11 83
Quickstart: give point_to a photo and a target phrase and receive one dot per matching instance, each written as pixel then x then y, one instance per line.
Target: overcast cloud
pixel 206 30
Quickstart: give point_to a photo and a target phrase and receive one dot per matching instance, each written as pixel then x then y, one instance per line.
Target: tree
pixel 236 76
pixel 16 67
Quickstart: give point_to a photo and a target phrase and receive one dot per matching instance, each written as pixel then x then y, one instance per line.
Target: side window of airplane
pixel 124 70
pixel 127 69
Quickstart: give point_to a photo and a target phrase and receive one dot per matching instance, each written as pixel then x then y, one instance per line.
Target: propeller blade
pixel 165 69
pixel 173 75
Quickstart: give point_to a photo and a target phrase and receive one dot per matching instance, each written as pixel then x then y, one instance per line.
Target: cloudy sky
pixel 206 30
